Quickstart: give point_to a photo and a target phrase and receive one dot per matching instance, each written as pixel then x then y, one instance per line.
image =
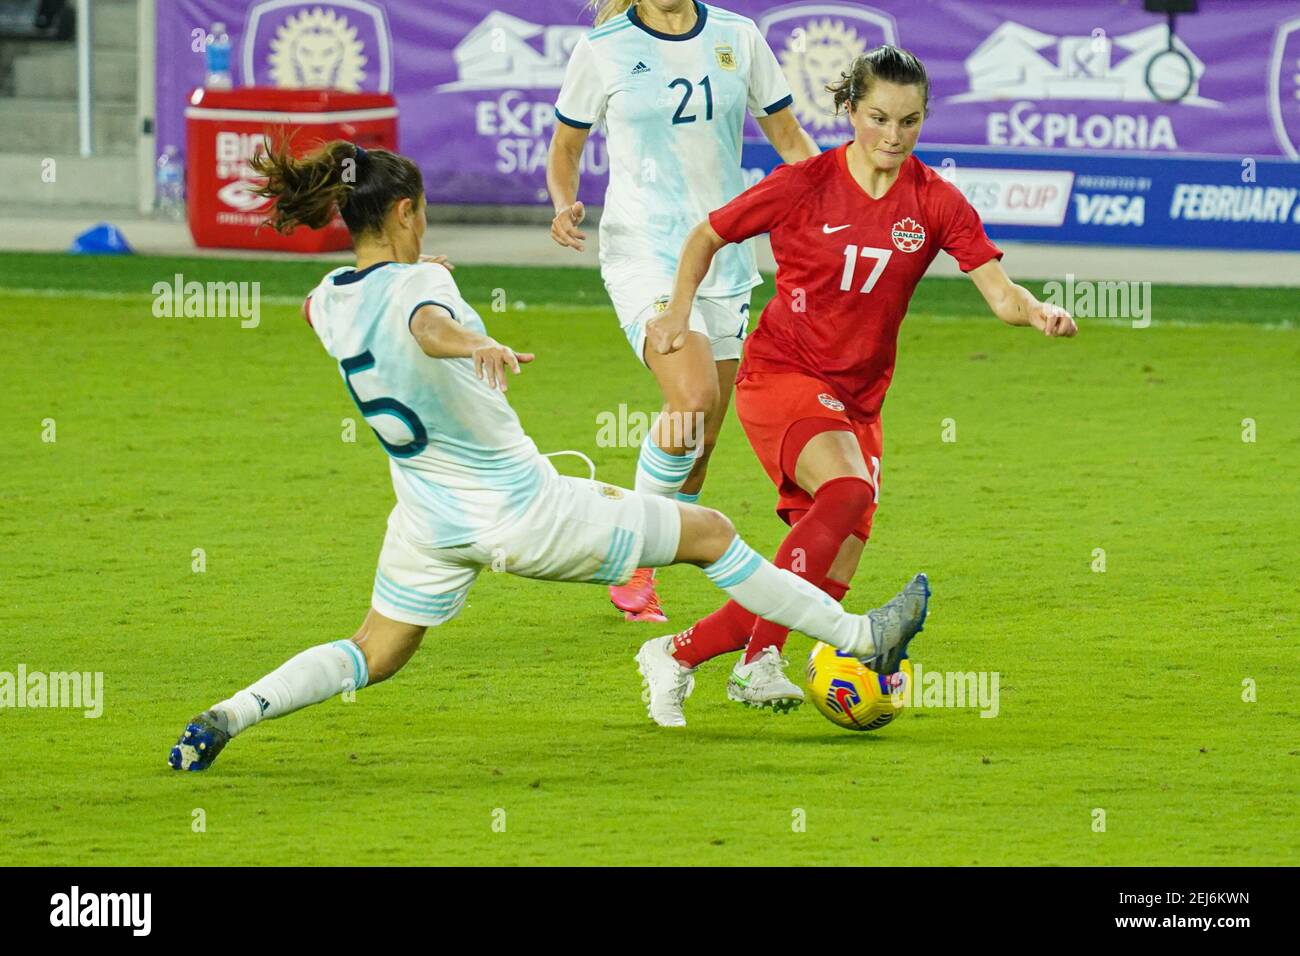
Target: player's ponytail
pixel 887 63
pixel 608 9
pixel 361 184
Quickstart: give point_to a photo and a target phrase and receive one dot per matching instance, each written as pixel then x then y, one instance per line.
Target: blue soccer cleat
pixel 895 624
pixel 204 737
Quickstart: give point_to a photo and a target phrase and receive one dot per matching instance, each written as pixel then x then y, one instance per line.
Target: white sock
pixel 784 598
pixel 659 473
pixel 313 676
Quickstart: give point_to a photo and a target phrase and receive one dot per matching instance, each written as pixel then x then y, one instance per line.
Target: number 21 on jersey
pixel 688 90
pixel 851 256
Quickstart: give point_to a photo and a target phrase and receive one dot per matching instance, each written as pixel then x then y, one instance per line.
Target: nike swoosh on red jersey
pixel 828 230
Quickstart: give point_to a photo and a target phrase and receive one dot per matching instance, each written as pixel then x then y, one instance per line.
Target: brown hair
pixel 362 184
pixel 885 63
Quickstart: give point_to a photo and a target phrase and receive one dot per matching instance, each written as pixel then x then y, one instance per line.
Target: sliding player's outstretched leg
pixel 373 654
pixel 709 540
pixel 203 738
pixel 896 622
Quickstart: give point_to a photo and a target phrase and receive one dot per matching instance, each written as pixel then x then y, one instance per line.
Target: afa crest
pixel 726 56
pixel 661 304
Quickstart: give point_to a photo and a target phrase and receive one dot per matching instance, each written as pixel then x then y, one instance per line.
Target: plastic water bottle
pixel 218 59
pixel 169 187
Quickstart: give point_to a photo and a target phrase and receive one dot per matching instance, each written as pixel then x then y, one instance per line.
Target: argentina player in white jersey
pixel 472 489
pixel 670 81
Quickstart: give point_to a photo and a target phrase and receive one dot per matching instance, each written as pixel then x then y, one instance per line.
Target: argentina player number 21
pixel 679 117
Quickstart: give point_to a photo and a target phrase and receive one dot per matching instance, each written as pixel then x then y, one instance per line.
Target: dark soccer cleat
pixel 895 624
pixel 205 736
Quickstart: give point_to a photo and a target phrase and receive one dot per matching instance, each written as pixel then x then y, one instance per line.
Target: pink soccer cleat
pixel 635 596
pixel 653 612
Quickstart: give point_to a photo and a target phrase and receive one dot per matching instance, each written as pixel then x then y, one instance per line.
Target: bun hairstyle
pixel 885 63
pixel 361 184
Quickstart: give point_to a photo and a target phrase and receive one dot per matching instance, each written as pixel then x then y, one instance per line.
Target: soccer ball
pixel 852 695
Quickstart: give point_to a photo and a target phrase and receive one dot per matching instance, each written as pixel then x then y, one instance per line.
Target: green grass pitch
pixel 1120 690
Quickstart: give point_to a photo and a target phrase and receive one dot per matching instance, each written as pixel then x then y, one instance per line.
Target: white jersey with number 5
pixel 461 465
pixel 674 113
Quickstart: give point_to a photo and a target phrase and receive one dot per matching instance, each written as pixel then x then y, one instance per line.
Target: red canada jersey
pixel 847 266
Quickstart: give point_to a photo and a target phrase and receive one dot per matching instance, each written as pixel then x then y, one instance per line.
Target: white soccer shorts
pixel 574 530
pixel 639 293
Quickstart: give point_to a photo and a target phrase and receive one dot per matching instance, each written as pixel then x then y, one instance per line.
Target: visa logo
pixel 1110 210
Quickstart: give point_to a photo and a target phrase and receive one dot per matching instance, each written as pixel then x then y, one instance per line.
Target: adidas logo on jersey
pixel 640 68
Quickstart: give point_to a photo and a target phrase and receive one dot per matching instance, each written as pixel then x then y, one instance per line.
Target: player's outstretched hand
pixel 667 333
pixel 1053 320
pixel 491 362
pixel 564 227
pixel 440 260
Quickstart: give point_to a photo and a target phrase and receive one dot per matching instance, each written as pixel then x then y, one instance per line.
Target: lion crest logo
pixel 814 42
pixel 1284 88
pixel 317 48
pixel 814 64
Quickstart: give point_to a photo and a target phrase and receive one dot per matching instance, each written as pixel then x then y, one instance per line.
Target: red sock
pixel 729 628
pixel 837 507
pixel 836 589
pixel 726 629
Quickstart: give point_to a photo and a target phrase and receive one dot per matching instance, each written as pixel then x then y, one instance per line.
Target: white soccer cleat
pixel 762 683
pixel 667 683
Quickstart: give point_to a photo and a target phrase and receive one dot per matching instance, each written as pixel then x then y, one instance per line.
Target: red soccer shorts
pixel 769 404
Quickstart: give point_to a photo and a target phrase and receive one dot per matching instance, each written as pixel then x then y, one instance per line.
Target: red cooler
pixel 225 128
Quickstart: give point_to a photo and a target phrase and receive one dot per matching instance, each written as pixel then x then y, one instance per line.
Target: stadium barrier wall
pixel 1082 123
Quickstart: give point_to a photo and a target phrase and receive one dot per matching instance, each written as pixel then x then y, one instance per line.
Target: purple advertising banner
pixel 476 80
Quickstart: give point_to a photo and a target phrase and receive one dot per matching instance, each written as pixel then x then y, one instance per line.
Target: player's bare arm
pixel 788 138
pixel 1016 305
pixel 666 333
pixel 441 336
pixel 562 166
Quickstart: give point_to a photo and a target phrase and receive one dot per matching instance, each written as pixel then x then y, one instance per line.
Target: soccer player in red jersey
pixel 853 231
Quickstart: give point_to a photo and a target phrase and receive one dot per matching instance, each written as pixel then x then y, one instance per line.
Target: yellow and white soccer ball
pixel 848 693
